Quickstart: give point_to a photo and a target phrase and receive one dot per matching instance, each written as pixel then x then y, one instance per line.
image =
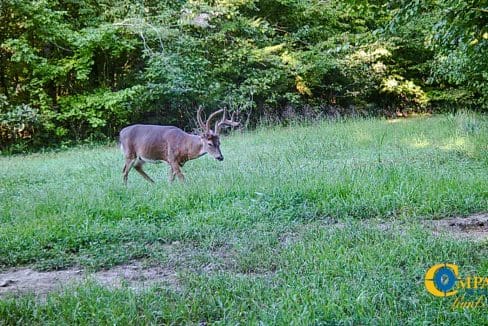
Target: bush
pixel 18 123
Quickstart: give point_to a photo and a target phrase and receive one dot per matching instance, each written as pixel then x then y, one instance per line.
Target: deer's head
pixel 211 138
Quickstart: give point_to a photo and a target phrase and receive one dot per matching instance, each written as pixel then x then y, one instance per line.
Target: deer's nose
pixel 220 158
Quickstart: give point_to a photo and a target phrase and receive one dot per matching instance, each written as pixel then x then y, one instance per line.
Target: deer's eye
pixel 210 144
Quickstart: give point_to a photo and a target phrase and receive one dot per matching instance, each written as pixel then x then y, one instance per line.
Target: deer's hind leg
pixel 129 163
pixel 138 166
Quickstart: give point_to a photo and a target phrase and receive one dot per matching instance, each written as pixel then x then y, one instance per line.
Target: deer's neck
pixel 197 148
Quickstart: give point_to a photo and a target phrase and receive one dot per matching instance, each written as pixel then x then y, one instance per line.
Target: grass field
pixel 288 229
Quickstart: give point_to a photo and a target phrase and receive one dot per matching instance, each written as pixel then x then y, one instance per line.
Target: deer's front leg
pixel 171 175
pixel 176 171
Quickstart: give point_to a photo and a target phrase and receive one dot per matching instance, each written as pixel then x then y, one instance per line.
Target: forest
pixel 74 71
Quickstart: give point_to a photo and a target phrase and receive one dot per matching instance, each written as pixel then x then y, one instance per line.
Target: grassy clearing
pixel 257 234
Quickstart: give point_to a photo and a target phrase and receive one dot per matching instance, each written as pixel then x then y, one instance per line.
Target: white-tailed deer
pixel 153 144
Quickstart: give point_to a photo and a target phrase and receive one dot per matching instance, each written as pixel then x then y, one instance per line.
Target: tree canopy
pixel 71 70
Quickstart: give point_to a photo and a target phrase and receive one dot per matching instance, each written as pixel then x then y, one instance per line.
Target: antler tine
pixel 207 124
pixel 226 121
pixel 199 118
pixel 219 123
pixel 231 122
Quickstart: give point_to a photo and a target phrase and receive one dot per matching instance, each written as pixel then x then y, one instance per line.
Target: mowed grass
pixel 284 230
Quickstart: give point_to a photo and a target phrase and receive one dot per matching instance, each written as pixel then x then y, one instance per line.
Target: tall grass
pixel 265 218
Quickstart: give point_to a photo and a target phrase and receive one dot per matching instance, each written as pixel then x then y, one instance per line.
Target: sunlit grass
pixel 71 208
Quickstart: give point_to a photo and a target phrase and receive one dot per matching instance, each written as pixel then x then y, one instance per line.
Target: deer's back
pixel 149 141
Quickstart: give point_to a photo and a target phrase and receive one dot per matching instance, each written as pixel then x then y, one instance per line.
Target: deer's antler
pixel 199 118
pixel 207 124
pixel 225 121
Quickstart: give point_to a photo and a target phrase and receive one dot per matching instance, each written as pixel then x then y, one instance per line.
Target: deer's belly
pixel 148 160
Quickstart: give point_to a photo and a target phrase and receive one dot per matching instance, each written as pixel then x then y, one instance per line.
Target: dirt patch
pixel 134 275
pixel 473 227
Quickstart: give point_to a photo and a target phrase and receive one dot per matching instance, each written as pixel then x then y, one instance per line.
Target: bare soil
pixel 134 275
pixel 473 227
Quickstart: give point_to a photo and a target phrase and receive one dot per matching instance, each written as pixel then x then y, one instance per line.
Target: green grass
pixel 287 223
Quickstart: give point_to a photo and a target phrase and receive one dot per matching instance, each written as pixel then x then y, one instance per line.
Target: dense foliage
pixel 72 70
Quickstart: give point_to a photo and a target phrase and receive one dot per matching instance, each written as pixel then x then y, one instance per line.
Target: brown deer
pixel 153 144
